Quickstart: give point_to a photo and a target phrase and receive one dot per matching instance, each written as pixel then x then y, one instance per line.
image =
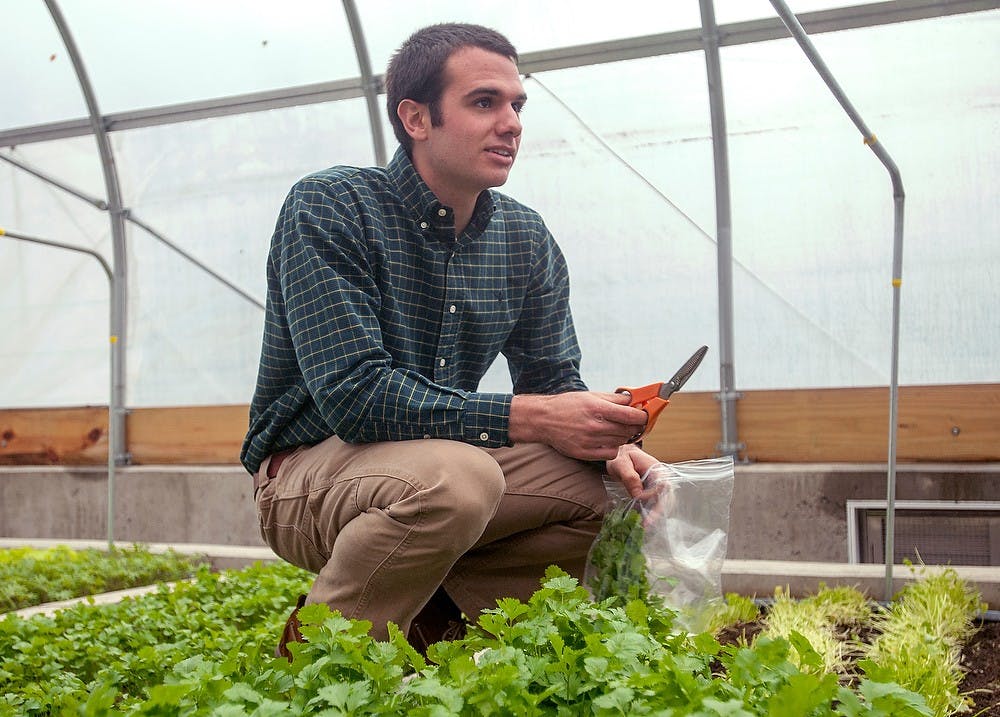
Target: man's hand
pixel 629 466
pixel 579 424
pixel 657 497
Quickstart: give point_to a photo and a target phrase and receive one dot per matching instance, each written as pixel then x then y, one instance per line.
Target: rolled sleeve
pixel 486 419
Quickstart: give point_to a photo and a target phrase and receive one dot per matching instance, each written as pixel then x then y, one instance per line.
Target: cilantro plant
pixel 617 564
pixel 205 648
pixel 29 576
pixel 54 665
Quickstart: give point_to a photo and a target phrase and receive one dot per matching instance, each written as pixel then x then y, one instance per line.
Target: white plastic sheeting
pixel 812 211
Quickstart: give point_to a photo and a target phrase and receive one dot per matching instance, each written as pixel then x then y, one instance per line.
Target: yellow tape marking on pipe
pixel 897 283
pixel 114 339
pixel 871 140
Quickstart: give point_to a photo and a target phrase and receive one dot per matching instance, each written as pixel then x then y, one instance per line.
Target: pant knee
pixel 468 487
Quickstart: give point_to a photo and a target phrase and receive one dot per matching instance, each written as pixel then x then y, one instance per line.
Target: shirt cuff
pixel 486 419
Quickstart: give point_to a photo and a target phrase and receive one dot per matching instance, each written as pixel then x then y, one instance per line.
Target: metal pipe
pixel 111 290
pixel 632 48
pixel 370 85
pixel 898 196
pixel 129 217
pixel 777 295
pixel 61 245
pixel 729 445
pixel 211 272
pixel 113 189
pixel 119 293
pixel 93 201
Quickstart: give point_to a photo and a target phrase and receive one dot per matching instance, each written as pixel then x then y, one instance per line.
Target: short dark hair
pixel 416 70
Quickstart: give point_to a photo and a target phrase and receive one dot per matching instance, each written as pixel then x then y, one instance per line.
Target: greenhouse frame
pixel 725 173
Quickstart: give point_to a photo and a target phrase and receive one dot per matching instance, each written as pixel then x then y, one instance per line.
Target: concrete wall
pixel 152 504
pixel 779 511
pixel 799 511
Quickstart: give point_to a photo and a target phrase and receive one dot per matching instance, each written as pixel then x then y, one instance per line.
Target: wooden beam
pixel 688 428
pixel 836 425
pixel 42 436
pixel 961 422
pixel 949 423
pixel 191 435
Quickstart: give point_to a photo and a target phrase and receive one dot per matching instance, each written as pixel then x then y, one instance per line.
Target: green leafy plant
pixel 617 564
pixel 920 637
pixel 51 665
pixel 205 648
pixel 819 626
pixel 31 576
pixel 732 610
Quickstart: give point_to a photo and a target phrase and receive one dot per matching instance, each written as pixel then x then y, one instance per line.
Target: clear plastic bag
pixel 671 541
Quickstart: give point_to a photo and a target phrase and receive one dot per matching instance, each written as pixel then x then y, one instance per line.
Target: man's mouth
pixel 502 152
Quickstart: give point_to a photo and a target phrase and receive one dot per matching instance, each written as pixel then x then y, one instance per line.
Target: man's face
pixel 474 146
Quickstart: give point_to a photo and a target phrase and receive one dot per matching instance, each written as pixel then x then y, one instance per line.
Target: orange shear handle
pixel 648 399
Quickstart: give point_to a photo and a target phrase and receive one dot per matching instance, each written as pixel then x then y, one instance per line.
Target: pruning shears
pixel 653 398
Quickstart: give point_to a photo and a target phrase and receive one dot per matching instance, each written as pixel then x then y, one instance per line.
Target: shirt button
pixel 484 436
pixel 424 225
pixel 441 362
pixel 442 212
pixel 452 309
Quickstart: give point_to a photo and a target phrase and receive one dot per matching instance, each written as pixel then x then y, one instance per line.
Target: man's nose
pixel 510 122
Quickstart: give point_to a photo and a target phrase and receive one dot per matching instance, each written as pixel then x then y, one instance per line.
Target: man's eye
pixel 484 102
pixel 518 107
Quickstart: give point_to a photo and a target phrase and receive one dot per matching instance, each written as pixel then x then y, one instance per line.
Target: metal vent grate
pixel 931 532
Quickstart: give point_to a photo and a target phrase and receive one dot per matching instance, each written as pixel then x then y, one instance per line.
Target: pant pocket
pixel 264 521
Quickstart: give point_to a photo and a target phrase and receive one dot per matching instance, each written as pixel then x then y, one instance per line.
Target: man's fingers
pixel 608 428
pixel 595 455
pixel 618 410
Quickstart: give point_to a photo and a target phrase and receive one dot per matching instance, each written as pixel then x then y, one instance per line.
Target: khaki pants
pixel 385 524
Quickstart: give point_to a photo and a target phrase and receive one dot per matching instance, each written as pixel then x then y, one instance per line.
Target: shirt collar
pixel 422 202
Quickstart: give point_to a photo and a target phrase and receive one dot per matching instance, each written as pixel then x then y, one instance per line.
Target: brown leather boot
pixel 440 619
pixel 291 632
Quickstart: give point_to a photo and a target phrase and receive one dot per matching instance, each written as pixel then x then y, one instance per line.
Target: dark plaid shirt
pixel 380 322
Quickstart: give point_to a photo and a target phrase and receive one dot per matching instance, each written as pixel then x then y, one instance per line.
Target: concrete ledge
pixel 798 512
pixel 109 598
pixel 779 511
pixel 153 504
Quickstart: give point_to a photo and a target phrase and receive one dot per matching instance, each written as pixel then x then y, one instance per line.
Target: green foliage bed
pixel 108 655
pixel 204 648
pixel 31 576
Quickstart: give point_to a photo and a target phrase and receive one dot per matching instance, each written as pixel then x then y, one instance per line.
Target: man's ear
pixel 415 117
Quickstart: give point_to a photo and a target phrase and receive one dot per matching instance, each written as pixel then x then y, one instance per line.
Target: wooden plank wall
pixel 54 435
pixel 936 424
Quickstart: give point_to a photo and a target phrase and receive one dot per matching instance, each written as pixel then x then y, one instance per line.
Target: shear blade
pixel 683 373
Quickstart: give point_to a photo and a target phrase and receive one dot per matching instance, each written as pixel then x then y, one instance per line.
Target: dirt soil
pixel 980 660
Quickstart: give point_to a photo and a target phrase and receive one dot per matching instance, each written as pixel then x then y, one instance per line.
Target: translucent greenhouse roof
pixel 213 109
pixel 166 52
